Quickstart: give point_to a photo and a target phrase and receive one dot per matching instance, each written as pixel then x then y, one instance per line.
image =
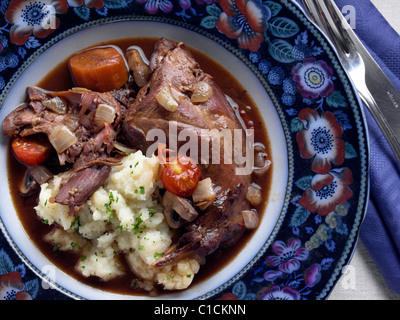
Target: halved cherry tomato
pixel 32 150
pixel 180 175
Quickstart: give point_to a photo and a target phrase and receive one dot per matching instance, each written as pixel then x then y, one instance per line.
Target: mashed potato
pixel 121 216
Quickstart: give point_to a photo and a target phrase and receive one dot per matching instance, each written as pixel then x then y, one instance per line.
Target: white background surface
pixel 362 280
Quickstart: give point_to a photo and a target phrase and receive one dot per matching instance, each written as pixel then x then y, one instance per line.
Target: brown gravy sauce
pixel 59 79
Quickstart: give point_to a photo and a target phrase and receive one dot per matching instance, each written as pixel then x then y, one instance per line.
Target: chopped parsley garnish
pixel 111 197
pixel 108 206
pixel 76 223
pixel 158 255
pixel 138 227
pixel 111 215
pixel 151 212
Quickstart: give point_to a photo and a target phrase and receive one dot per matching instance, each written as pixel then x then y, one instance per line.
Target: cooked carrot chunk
pixel 99 69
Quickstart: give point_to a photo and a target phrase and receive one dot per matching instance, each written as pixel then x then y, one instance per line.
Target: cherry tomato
pixel 32 150
pixel 180 176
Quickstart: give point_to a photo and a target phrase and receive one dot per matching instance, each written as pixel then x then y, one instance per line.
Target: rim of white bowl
pixel 74 40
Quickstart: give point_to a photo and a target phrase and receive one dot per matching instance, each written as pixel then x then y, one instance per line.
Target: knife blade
pixel 374 87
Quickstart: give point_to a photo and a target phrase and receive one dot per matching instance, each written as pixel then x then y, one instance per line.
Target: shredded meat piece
pixel 90 154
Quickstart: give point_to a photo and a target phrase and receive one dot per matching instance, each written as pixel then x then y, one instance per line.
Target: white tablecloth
pixel 361 280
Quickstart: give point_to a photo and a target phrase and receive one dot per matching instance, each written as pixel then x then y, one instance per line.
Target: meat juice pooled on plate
pixel 93 127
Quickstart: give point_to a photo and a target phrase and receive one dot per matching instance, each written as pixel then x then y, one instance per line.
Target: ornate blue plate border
pixel 304 256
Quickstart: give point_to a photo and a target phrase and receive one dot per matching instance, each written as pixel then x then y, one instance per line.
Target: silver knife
pixel 373 86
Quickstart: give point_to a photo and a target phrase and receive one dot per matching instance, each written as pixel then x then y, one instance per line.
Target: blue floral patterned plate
pixel 312 114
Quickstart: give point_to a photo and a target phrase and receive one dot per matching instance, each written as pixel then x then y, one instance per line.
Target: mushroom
pixel 261 161
pixel 33 178
pixel 177 210
pixel 28 184
pixel 139 65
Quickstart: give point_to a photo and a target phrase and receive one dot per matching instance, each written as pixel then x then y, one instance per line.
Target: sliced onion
pixel 104 113
pixel 80 89
pixel 41 174
pixel 123 148
pixel 62 138
pixel 253 194
pixel 166 100
pixel 71 121
pixel 56 104
pixel 202 91
pixel 204 194
pixel 250 219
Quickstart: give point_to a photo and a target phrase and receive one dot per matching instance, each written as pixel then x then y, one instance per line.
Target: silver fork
pixel 373 86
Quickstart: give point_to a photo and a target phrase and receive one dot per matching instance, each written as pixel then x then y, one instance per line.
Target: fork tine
pixel 327 16
pixel 384 100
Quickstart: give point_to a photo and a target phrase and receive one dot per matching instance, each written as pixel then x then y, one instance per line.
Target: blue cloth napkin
pixel 380 231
